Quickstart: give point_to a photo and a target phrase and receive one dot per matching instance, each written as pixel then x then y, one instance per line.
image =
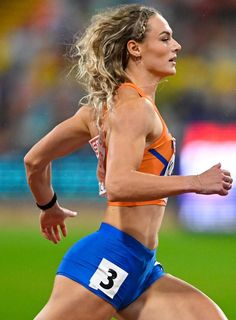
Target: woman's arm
pixel 130 126
pixel 65 138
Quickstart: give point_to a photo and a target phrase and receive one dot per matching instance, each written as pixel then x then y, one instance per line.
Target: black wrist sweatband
pixel 49 204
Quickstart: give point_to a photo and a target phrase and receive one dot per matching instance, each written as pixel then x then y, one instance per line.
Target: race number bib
pixel 98 146
pixel 108 278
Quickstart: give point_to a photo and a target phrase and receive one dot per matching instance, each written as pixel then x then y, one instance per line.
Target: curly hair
pixel 101 53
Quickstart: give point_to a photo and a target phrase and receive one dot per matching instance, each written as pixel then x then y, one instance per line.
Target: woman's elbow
pixel 29 161
pixel 32 163
pixel 115 190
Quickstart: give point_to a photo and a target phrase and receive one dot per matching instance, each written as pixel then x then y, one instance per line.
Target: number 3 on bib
pixel 108 278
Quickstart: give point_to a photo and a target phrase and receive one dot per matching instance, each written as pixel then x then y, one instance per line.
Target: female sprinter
pixel 121 58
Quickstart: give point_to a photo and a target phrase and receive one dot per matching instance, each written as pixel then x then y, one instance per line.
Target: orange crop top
pixel 158 159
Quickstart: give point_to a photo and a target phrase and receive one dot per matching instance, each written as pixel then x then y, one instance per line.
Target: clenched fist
pixel 214 181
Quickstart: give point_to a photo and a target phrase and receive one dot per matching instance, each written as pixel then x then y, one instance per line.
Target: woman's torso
pixel 140 221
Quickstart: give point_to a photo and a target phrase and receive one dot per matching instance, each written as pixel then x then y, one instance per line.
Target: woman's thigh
pixel 171 298
pixel 71 301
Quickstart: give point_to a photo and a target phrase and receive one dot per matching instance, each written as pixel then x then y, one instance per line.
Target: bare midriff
pixel 141 222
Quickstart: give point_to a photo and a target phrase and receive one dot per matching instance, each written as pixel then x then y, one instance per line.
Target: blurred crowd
pixel 37 89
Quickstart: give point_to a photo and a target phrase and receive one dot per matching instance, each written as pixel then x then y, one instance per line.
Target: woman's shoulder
pixel 86 115
pixel 84 111
pixel 127 94
pixel 131 114
pixel 129 101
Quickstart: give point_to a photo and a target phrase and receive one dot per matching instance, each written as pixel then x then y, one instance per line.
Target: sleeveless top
pixel 158 158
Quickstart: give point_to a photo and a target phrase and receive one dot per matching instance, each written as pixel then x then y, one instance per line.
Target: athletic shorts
pixel 113 265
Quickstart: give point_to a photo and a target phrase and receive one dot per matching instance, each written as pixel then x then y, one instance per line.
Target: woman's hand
pixel 214 181
pixel 53 220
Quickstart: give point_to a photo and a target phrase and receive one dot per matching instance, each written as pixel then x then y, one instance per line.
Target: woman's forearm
pixel 139 186
pixel 135 185
pixel 39 181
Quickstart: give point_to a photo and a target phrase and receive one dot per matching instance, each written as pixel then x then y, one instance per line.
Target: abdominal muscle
pixel 141 222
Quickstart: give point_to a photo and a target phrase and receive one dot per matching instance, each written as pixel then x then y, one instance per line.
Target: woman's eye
pixel 165 39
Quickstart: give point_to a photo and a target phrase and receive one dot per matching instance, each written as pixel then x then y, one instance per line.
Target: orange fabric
pixel 158 158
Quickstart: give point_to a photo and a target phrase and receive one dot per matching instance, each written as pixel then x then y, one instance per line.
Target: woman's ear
pixel 134 49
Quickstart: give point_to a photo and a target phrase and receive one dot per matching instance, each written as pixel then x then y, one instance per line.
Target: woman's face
pixel 159 50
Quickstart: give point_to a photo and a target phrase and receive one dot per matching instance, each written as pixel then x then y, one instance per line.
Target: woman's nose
pixel 177 46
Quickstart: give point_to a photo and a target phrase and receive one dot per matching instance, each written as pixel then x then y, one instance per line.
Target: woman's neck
pixel 146 83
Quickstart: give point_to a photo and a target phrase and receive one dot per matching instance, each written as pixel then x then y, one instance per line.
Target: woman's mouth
pixel 173 60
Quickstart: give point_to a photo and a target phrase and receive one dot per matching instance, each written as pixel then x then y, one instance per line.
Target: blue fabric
pixel 113 265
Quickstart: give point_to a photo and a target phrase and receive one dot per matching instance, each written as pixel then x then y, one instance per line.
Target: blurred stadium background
pixel 198 241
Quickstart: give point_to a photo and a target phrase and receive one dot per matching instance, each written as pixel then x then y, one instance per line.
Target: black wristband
pixel 49 204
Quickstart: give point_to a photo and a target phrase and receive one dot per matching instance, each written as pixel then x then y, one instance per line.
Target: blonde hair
pixel 101 53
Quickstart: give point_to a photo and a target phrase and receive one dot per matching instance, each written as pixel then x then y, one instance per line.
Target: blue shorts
pixel 113 265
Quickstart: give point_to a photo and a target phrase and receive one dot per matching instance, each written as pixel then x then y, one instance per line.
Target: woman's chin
pixel 172 72
pixel 168 74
